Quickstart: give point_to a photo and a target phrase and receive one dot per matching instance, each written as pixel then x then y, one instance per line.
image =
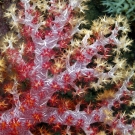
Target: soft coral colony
pixel 57 77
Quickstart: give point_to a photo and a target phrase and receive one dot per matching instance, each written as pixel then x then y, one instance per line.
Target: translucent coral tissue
pixel 58 78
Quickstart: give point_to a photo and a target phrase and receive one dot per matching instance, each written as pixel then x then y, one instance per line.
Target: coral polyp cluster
pixel 59 78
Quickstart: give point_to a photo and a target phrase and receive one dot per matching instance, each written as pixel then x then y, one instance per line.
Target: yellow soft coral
pixel 107 94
